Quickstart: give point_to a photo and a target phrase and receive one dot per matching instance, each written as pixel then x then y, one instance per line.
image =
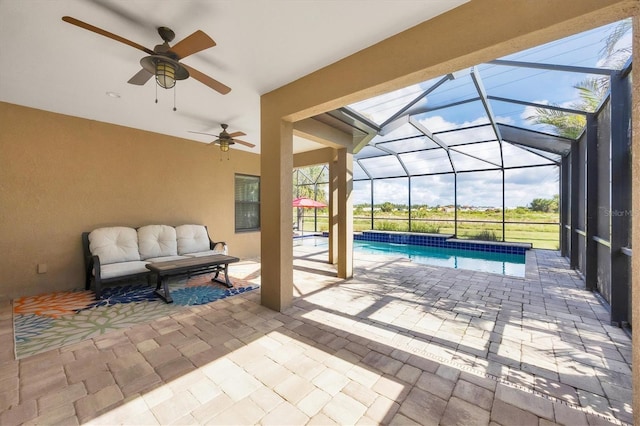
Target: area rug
pixel 54 320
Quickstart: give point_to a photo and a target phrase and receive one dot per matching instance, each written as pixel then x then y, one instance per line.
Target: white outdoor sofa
pixel 120 253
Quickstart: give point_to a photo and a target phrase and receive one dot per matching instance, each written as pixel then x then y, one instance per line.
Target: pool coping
pixel 442 240
pixel 531 271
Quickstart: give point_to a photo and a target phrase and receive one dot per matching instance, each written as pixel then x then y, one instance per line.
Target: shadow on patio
pixel 399 343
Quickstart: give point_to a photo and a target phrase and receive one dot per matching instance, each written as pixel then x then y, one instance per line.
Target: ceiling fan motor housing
pixel 166 33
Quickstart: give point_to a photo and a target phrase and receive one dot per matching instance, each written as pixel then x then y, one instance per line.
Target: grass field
pixel 538 228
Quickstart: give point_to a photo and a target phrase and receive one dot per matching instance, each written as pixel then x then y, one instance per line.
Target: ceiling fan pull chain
pixel 174 97
pixel 156 92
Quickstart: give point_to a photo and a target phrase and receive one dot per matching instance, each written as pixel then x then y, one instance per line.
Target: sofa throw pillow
pixel 157 241
pixel 114 244
pixel 192 239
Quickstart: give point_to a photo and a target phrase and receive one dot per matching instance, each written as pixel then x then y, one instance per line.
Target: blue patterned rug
pixel 54 320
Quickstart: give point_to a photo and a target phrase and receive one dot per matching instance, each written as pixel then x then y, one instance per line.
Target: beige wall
pixel 311 158
pixel 61 175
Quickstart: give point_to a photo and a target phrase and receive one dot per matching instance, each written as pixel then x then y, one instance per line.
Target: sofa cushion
pixel 218 250
pixel 114 244
pixel 165 259
pixel 157 241
pixel 122 269
pixel 192 239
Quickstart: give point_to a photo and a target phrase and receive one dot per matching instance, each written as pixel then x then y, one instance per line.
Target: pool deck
pixel 400 343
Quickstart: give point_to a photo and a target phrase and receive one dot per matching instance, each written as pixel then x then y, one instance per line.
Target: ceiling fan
pixel 164 60
pixel 225 139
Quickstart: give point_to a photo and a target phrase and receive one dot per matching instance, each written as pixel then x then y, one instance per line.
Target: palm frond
pixel 611 54
pixel 591 91
pixel 567 125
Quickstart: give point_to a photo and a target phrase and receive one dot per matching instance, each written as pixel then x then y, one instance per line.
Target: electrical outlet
pixel 42 268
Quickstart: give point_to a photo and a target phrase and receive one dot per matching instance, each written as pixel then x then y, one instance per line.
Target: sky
pixel 477 188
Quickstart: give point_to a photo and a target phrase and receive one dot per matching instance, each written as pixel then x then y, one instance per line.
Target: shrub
pixel 386 225
pixel 485 235
pixel 427 228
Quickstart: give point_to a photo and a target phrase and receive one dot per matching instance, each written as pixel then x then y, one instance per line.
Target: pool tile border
pixel 441 240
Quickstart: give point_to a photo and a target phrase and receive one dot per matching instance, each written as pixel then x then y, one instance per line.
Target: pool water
pixel 497 263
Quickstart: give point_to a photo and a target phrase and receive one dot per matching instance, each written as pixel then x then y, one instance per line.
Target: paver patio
pixel 400 343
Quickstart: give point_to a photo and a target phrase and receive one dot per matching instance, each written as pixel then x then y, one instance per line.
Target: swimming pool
pixel 497 263
pixel 512 264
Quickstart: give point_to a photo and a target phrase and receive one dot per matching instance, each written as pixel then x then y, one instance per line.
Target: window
pixel 247 203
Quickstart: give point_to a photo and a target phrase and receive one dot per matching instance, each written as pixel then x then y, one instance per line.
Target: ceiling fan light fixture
pixel 165 74
pixel 166 70
pixel 224 145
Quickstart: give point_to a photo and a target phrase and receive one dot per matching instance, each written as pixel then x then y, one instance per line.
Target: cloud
pixel 433 190
pixel 436 123
pixel 505 120
pixel 475 188
pixel 393 190
pixel 526 177
pixel 529 111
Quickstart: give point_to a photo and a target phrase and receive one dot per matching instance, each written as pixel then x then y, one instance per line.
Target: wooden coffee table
pixel 193 265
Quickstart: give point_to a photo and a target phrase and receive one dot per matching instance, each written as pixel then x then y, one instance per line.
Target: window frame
pixel 246 203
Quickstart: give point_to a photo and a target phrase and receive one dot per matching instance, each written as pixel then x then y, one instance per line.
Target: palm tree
pixel 591 90
pixel 615 56
pixel 567 125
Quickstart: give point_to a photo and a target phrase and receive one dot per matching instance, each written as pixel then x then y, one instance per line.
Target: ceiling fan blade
pixel 141 77
pixel 194 43
pixel 120 10
pixel 236 134
pixel 105 33
pixel 207 81
pixel 250 145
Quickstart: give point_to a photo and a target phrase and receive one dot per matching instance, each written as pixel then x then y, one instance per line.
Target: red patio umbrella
pixel 304 202
pixel 307 202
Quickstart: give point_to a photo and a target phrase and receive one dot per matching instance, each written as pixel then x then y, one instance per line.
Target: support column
pixel 276 214
pixel 564 207
pixel 620 218
pixel 575 202
pixel 635 229
pixel 455 204
pixel 344 170
pixel 371 181
pixel 409 198
pixel 333 210
pixel 591 268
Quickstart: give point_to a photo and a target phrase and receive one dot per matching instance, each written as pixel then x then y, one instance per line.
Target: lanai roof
pixel 476 119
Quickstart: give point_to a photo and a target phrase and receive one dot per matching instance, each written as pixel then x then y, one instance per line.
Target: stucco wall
pixel 61 175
